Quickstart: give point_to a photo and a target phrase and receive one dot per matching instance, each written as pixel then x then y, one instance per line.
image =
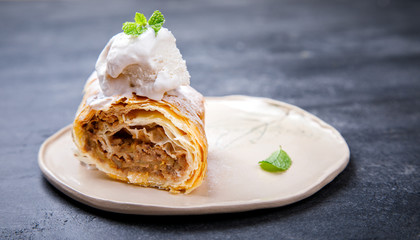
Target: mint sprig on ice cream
pixel 143 60
pixel 141 24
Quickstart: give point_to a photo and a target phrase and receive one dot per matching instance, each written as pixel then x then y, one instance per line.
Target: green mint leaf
pixel 141 29
pixel 156 21
pixel 130 28
pixel 277 161
pixel 156 27
pixel 140 25
pixel 140 19
pixel 157 17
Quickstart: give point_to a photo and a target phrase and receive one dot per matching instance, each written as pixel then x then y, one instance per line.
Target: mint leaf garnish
pixel 140 19
pixel 156 27
pixel 140 23
pixel 277 161
pixel 156 21
pixel 141 30
pixel 130 28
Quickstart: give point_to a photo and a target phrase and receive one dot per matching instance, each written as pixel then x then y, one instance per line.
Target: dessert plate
pixel 241 131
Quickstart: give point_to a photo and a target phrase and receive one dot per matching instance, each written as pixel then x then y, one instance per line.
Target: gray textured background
pixel 355 64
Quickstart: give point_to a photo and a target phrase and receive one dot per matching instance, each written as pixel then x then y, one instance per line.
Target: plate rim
pixel 237 206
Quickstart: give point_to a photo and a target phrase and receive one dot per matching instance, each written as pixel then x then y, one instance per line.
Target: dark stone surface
pixel 355 64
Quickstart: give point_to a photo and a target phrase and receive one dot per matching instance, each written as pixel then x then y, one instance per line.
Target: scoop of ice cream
pixel 148 65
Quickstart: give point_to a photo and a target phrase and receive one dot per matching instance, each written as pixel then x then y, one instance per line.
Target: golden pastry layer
pixel 142 141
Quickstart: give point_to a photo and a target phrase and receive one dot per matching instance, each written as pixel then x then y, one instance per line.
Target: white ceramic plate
pixel 241 131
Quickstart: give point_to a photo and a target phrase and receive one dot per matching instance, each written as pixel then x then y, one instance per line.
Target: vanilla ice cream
pixel 148 65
